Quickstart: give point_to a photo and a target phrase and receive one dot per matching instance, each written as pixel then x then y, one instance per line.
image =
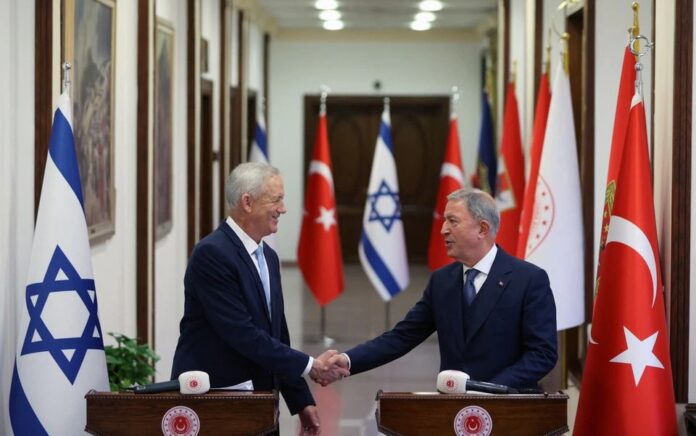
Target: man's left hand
pixel 309 421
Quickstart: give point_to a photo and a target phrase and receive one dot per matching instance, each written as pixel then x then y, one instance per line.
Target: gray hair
pixel 248 178
pixel 480 204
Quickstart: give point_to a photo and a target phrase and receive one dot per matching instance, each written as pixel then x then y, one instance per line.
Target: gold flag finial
pixel 635 30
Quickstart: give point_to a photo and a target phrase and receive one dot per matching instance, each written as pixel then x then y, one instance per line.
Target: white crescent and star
pixel 639 354
pixel 321 168
pixel 451 170
pixel 327 217
pixel 623 231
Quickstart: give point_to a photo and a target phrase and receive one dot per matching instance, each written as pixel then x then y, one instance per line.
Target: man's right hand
pixel 340 360
pixel 325 373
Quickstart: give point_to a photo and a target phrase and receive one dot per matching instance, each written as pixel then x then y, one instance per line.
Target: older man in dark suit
pixel 494 314
pixel 234 325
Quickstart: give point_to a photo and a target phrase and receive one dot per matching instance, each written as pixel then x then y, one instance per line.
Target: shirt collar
pixel 249 244
pixel 486 263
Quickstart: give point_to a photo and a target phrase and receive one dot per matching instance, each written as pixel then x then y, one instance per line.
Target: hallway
pixel 347 408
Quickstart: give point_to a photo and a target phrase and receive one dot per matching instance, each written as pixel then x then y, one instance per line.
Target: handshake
pixel 329 367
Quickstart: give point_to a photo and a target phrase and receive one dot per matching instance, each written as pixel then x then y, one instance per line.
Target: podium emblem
pixel 180 421
pixel 473 421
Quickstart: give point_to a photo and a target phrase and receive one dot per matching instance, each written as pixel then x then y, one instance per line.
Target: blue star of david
pixel 44 341
pixel 387 220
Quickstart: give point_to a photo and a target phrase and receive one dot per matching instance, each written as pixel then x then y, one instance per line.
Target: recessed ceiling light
pixel 425 16
pixel 326 4
pixel 333 25
pixel 420 25
pixel 330 15
pixel 430 5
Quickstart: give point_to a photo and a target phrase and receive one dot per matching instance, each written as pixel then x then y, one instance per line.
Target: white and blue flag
pixel 259 153
pixel 382 246
pixel 60 348
pixel 259 146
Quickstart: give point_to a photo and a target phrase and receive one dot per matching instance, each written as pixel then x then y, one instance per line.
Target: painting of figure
pixel 92 92
pixel 164 50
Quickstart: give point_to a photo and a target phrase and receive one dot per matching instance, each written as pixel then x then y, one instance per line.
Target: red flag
pixel 510 184
pixel 319 251
pixel 451 179
pixel 627 381
pixel 540 117
pixel 623 105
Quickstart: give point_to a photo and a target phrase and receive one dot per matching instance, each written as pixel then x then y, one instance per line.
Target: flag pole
pixel 66 76
pixel 325 339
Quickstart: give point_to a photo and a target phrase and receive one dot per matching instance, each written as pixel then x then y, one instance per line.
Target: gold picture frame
pixel 89 30
pixel 164 134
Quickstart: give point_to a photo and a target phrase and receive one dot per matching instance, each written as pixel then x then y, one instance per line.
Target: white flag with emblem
pixel 60 349
pixel 382 248
pixel 555 240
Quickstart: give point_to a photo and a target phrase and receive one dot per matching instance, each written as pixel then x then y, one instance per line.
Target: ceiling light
pixel 326 4
pixel 425 16
pixel 430 5
pixel 330 15
pixel 420 25
pixel 333 25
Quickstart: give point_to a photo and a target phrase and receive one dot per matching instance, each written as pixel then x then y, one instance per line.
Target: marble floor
pixel 347 407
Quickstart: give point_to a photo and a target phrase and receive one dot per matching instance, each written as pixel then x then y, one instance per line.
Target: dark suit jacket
pixel 507 335
pixel 226 330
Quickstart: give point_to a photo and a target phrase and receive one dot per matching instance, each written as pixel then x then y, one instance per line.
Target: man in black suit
pixel 494 314
pixel 234 325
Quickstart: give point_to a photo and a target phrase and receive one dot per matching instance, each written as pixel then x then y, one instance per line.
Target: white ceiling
pixel 381 14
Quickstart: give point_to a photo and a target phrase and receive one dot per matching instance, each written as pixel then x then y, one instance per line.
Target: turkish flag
pixel 319 251
pixel 510 183
pixel 618 139
pixel 451 179
pixel 627 381
pixel 540 117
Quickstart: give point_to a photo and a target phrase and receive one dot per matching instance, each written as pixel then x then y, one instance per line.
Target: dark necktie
pixel 469 289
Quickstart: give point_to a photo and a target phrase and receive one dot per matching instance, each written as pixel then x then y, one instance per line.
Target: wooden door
pixel 206 163
pixel 419 131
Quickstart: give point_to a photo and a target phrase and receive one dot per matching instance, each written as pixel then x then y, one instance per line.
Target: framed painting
pixel 89 45
pixel 164 69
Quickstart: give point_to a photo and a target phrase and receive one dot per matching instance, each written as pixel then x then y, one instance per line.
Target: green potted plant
pixel 129 363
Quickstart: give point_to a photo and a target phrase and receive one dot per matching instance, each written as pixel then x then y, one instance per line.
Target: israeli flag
pixel 259 146
pixel 382 246
pixel 60 349
pixel 259 153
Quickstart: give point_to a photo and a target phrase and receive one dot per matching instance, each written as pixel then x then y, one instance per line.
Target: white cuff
pixel 309 366
pixel 348 359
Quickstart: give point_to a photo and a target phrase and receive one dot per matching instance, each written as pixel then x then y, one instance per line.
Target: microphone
pixel 189 382
pixel 458 382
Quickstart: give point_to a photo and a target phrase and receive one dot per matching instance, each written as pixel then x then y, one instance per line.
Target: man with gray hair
pixel 234 325
pixel 494 314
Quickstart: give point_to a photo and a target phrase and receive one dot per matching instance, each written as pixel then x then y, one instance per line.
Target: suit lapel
pixel 489 294
pixel 251 268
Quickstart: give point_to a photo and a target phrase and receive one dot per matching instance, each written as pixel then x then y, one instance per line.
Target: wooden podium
pixel 430 413
pixel 214 413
